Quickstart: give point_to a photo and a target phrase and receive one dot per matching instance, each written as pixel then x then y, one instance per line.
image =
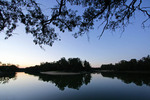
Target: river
pixel 101 86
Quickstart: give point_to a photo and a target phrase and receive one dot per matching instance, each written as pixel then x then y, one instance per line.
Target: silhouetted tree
pixel 63 63
pixel 4 68
pixel 87 65
pixel 112 14
pixel 75 63
pixel 108 66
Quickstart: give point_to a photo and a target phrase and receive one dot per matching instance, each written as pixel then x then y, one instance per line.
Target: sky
pixel 113 47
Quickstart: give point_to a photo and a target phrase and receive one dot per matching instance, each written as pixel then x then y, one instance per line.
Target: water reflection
pixel 63 81
pixel 45 87
pixel 76 81
pixel 139 79
pixel 5 77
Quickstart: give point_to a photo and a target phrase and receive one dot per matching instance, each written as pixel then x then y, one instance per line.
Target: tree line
pixel 71 65
pixel 132 65
pixel 8 68
pixel 77 65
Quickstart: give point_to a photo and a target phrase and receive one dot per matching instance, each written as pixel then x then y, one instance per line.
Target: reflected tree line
pixel 76 81
pixel 4 78
pixel 70 81
pixel 65 81
pixel 132 65
pixel 137 78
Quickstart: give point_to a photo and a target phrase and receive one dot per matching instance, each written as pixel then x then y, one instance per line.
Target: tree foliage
pixel 87 65
pixel 70 65
pixel 111 14
pixel 8 68
pixel 132 65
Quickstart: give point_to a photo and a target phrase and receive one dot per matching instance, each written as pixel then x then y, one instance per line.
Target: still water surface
pixel 22 86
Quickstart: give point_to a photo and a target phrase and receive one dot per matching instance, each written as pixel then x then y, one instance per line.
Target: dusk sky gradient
pixel 112 47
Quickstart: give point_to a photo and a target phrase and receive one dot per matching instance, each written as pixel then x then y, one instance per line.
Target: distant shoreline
pixel 60 73
pixel 136 72
pixel 99 71
pixel 80 72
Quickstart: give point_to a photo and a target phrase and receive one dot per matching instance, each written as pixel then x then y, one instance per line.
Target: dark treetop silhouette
pixel 8 68
pixel 132 65
pixel 70 65
pixel 112 14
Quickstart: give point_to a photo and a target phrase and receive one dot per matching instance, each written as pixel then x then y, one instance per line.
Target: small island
pixel 71 66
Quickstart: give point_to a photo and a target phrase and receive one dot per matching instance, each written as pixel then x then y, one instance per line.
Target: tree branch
pixel 56 15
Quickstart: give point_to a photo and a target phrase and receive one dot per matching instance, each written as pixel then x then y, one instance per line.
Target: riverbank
pixel 132 72
pixel 61 73
pixel 96 71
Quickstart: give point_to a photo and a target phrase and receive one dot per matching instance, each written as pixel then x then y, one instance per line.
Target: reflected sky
pixel 29 87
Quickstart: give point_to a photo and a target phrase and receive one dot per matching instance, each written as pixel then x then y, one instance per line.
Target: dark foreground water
pixel 104 86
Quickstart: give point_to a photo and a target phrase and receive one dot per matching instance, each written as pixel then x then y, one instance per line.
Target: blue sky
pixel 134 42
